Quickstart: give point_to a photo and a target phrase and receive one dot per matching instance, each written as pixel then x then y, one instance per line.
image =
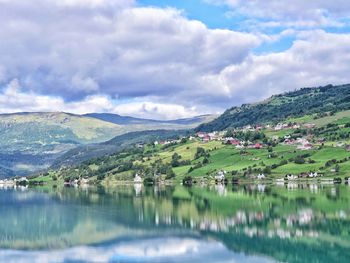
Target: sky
pixel 166 59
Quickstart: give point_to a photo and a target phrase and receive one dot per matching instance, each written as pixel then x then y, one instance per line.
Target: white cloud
pixel 13 99
pixel 106 55
pixel 316 58
pixel 151 110
pixel 79 50
pixel 296 13
pixel 94 3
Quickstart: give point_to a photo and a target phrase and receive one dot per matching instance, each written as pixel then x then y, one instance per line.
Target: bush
pixel 267 170
pixel 205 160
pixel 187 180
pixel 100 177
pixel 299 160
pixel 170 174
pixel 148 180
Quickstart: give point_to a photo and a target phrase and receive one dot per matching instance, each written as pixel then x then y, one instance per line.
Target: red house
pixel 235 142
pixel 258 146
pixel 206 138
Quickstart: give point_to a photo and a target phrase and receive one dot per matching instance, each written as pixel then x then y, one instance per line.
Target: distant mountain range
pixel 32 141
pixel 126 120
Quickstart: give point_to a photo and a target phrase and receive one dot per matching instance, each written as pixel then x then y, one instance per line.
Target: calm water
pixel 253 223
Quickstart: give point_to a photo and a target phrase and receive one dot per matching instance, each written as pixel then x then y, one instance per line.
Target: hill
pixel 32 141
pixel 126 120
pixel 293 104
pixel 304 132
pixel 118 144
pixel 192 157
pixel 5 173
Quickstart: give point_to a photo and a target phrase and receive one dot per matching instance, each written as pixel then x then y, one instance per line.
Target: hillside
pixel 281 107
pixel 324 108
pixel 302 146
pixel 115 145
pixel 32 141
pixel 126 120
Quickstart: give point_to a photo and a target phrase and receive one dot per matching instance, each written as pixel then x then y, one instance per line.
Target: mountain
pixel 117 144
pixel 126 120
pixel 32 141
pixel 5 173
pixel 313 145
pixel 315 138
pixel 281 107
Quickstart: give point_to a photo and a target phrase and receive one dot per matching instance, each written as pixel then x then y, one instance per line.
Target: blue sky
pixel 166 59
pixel 214 16
pixel 219 16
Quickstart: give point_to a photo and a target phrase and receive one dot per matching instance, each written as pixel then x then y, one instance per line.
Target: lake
pixel 218 223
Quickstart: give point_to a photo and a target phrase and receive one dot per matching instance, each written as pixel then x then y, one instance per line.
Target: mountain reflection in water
pixel 218 223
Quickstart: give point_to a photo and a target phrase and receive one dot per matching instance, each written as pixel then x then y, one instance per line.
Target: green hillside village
pixel 314 147
pixel 298 135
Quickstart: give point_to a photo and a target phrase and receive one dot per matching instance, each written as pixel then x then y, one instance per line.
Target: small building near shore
pixel 220 176
pixel 137 179
pixel 260 176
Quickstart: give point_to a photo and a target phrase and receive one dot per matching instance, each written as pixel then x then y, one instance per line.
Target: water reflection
pixel 251 223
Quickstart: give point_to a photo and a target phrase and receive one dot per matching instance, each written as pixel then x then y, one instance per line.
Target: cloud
pixel 297 13
pixel 149 109
pixel 14 99
pixel 315 58
pixel 115 56
pixel 69 50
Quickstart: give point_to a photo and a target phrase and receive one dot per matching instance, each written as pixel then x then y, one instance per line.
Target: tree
pixel 170 173
pixel 337 168
pixel 175 160
pixel 229 133
pixel 205 160
pixel 200 152
pixel 267 170
pixel 299 160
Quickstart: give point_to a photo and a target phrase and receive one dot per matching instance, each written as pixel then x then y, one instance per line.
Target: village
pixel 301 143
pixel 251 153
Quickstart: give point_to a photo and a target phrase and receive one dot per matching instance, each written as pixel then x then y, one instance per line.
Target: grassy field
pixel 237 163
pixel 228 158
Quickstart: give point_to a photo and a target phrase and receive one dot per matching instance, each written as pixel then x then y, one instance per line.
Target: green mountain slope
pixel 281 107
pixel 315 139
pixel 32 141
pixel 119 143
pixel 202 161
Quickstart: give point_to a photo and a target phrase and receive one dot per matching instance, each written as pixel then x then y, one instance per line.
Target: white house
pixel 9 182
pixel 137 179
pixel 84 181
pixel 313 175
pixel 220 176
pixel 260 176
pixel 291 177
